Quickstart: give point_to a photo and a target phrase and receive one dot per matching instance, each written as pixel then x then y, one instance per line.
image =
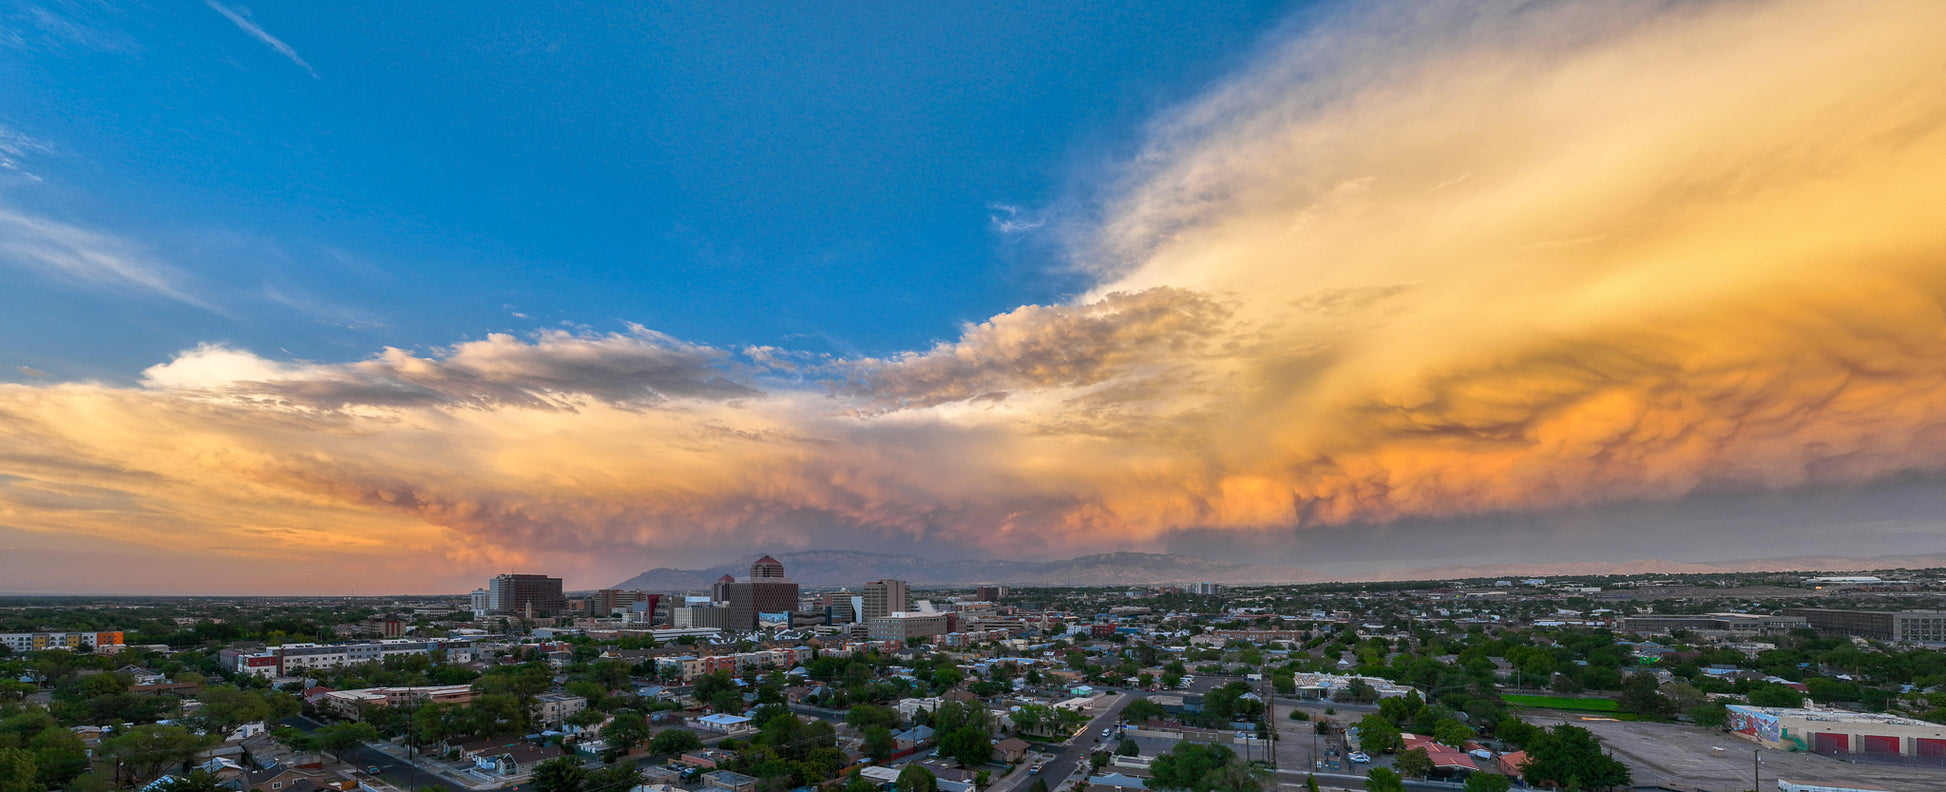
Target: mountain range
pixel 850 568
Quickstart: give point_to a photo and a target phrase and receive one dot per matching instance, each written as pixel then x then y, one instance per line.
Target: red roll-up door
pixel 1879 744
pixel 1826 743
pixel 1929 746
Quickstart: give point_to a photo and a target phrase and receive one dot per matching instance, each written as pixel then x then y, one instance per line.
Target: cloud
pixel 556 370
pixel 71 253
pixel 1420 263
pixel 240 16
pixel 1009 219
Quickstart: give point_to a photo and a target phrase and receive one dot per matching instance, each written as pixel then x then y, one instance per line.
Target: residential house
pixel 729 781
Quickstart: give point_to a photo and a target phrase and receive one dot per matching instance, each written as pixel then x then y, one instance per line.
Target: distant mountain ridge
pixel 833 568
pixel 850 568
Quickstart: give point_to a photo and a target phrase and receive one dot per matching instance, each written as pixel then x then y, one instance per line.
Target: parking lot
pixel 1680 755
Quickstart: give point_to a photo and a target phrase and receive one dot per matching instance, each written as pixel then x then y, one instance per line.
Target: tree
pixel 1311 783
pixel 1448 731
pixel 1377 735
pixel 969 745
pixel 915 778
pixel 1487 782
pixel 1415 763
pixel 626 730
pixel 1382 779
pixel 560 774
pixel 1771 694
pixel 1039 785
pixel 17 771
pixel 1143 709
pixel 879 743
pixel 1127 748
pixel 1570 753
pixel 340 737
pixel 1712 715
pixel 147 751
pixel 1191 766
pixel 1641 695
pixel 670 742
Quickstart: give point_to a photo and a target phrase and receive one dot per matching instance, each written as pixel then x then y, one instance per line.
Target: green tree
pixel 1711 715
pixel 1127 747
pixel 626 730
pixel 341 737
pixel 1311 783
pixel 1039 785
pixel 670 742
pixel 1449 731
pixel 1191 766
pixel 1378 735
pixel 147 751
pixel 879 743
pixel 969 745
pixel 561 774
pixel 1487 782
pixel 17 771
pixel 1143 709
pixel 1643 696
pixel 1382 779
pixel 1415 763
pixel 1771 694
pixel 1570 753
pixel 915 778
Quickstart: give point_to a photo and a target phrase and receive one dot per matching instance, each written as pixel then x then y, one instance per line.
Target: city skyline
pixel 399 301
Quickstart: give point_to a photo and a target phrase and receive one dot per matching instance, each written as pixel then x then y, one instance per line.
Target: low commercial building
pixel 1906 626
pixel 353 703
pixel 71 641
pixel 1839 732
pixel 906 626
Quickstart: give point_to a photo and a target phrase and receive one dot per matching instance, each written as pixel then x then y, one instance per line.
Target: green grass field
pixel 1563 703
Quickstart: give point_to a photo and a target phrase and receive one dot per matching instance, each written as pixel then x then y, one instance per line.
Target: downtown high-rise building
pixel 886 597
pixel 765 591
pixel 527 595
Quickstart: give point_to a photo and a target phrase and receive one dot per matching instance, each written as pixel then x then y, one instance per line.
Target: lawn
pixel 1563 703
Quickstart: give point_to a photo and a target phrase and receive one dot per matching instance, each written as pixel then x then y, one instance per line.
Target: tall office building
pixel 765 591
pixel 539 595
pixel 886 597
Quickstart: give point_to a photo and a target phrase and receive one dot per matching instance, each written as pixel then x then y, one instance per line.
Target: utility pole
pixel 1756 770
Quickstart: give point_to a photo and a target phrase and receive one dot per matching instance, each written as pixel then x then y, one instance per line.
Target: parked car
pixel 1034 770
pixel 1359 757
pixel 371 770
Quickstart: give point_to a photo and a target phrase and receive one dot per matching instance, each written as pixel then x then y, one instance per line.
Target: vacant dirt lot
pixel 1680 756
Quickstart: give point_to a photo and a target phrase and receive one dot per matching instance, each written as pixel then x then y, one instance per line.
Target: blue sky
pixel 846 178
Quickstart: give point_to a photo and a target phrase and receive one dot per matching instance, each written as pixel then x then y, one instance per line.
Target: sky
pixel 394 299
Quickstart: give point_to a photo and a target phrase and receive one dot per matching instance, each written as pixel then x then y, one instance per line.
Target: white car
pixel 1359 757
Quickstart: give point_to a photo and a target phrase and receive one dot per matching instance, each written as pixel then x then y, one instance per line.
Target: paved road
pixel 393 770
pixel 1070 762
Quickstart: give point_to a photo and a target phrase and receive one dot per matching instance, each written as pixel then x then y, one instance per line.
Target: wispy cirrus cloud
pixel 240 17
pixel 77 255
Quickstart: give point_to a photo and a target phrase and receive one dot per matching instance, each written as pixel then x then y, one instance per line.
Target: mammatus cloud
pixel 1419 261
pixel 240 17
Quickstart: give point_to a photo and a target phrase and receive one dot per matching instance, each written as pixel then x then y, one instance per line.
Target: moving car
pixel 1034 770
pixel 1359 757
